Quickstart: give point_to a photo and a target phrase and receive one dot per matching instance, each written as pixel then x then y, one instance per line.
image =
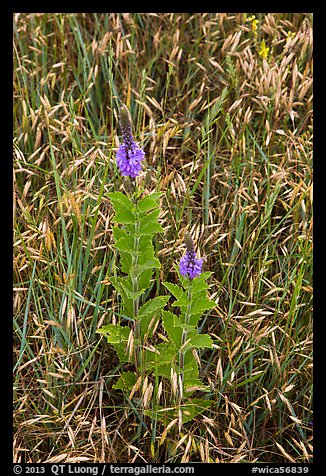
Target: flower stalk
pixel 134 279
pixel 190 267
pixel 182 351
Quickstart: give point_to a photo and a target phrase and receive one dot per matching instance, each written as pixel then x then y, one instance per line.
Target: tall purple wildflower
pixel 190 266
pixel 129 155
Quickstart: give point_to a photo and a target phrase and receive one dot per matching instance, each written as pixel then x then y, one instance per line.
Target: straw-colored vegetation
pixel 222 104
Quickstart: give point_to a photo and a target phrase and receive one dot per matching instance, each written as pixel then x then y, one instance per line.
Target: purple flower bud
pixel 129 155
pixel 190 266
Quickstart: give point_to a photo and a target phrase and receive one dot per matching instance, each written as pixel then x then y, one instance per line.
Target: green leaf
pixel 103 330
pixel 130 293
pixel 118 337
pixel 147 325
pixel 116 333
pixel 177 292
pixel 145 246
pixel 120 201
pixel 190 410
pixel 126 381
pixel 199 287
pixel 126 261
pixel 125 244
pixel 119 233
pixel 171 324
pixel 124 216
pixel 190 365
pixel 201 341
pixel 188 328
pixel 149 223
pixel 193 408
pixel 153 305
pixel 201 305
pixel 137 269
pixel 124 288
pixel 146 253
pixel 152 216
pixel 163 370
pixel 156 196
pixel 199 279
pixel 144 279
pixel 150 227
pixel 162 360
pixel 195 384
pixel 199 284
pixel 146 204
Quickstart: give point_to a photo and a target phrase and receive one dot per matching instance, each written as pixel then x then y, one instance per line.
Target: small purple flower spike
pixel 129 155
pixel 190 266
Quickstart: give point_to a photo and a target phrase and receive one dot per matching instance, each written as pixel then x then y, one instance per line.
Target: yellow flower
pixel 254 24
pixel 264 50
pixel 290 35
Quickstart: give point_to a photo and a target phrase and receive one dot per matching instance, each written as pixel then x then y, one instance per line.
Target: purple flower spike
pixel 190 266
pixel 129 155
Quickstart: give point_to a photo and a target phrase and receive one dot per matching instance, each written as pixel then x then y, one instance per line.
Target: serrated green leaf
pixel 146 204
pixel 116 333
pixel 150 228
pixel 175 319
pixel 124 217
pixel 191 365
pixel 194 384
pixel 103 330
pixel 175 290
pixel 178 293
pixel 115 283
pixel 153 305
pixel 193 408
pixel 156 196
pixel 130 293
pixel 201 341
pixel 188 328
pixel 125 261
pixel 146 253
pixel 120 201
pixel 137 269
pixel 126 381
pixel 118 336
pixel 201 305
pixel 144 279
pixel 125 244
pixel 119 233
pixel 171 324
pixel 201 286
pixel 194 319
pixel 145 245
pixel 149 223
pixel 201 277
pixel 152 216
pixel 166 354
pixel 147 324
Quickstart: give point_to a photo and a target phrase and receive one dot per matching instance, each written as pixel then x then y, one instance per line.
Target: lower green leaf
pixel 125 382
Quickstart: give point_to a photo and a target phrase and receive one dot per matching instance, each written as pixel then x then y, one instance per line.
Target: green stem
pixel 184 339
pixel 137 333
